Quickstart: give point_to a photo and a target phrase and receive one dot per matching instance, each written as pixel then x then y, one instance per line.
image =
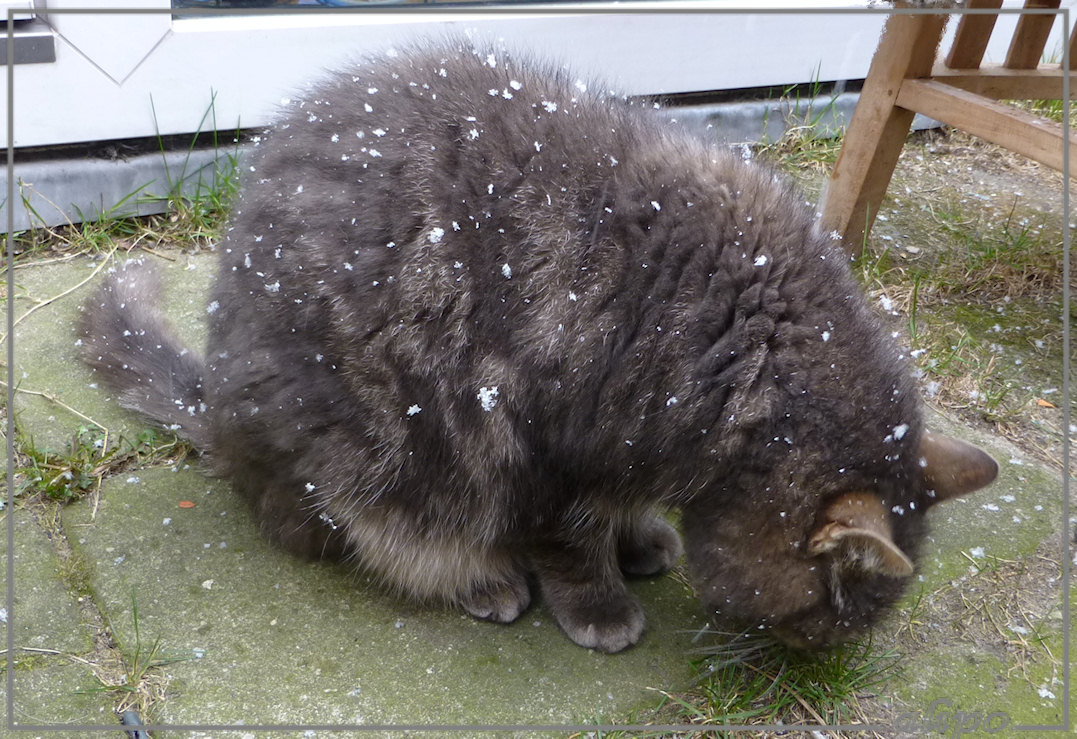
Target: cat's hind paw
pixel 650 548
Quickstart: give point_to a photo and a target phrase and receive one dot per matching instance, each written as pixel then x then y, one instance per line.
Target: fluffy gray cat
pixel 476 323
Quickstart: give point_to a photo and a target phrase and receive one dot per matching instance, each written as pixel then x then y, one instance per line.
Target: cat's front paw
pixel 651 547
pixel 501 602
pixel 608 627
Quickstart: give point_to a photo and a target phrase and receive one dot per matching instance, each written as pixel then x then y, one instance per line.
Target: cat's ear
pixel 952 468
pixel 858 523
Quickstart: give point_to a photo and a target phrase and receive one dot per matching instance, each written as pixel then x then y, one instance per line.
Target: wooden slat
pixel 973 33
pixel 1026 48
pixel 1016 130
pixel 877 131
pixel 1000 83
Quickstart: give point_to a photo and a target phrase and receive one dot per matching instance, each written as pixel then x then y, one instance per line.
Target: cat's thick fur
pixel 475 321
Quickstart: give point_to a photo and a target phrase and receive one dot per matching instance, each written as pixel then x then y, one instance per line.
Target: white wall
pixel 108 66
pixel 131 75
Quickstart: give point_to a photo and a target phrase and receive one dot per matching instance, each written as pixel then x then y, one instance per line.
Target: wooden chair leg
pixel 878 129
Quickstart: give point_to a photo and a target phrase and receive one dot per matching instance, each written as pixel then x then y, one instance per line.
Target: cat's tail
pixel 130 345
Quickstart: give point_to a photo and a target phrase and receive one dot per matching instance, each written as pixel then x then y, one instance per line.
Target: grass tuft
pixel 133 677
pixel 755 680
pixel 69 475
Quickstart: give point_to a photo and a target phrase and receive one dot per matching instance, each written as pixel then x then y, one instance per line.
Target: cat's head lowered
pixel 813 576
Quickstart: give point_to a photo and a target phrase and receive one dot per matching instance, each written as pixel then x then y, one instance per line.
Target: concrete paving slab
pixel 56 692
pixel 51 685
pixel 44 613
pixel 340 651
pixel 981 630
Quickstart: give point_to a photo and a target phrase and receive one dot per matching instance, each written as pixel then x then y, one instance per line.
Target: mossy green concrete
pixel 52 684
pixel 53 692
pixel 44 614
pixel 1010 518
pixel 965 647
pixel 270 639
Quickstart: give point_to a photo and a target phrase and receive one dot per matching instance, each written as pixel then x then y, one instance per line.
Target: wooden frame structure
pixel 962 91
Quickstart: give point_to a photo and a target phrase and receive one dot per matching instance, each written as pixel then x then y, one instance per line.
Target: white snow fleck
pixel 507 271
pixel 207 584
pixel 488 397
pixel 900 430
pixel 550 106
pixel 375 153
pixel 673 400
pixel 1007 498
pixel 515 84
pixel 656 205
pixel 212 307
pixel 760 260
pixel 273 287
pixel 572 296
pixel 977 552
pixel 299 189
pixel 371 90
pixel 412 410
pixel 368 109
pixel 826 336
pixel 378 132
pixel 491 61
pixel 990 507
pixel 1045 693
pixel 436 235
pixel 473 134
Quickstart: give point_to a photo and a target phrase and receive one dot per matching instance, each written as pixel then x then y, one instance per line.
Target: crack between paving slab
pixel 104 660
